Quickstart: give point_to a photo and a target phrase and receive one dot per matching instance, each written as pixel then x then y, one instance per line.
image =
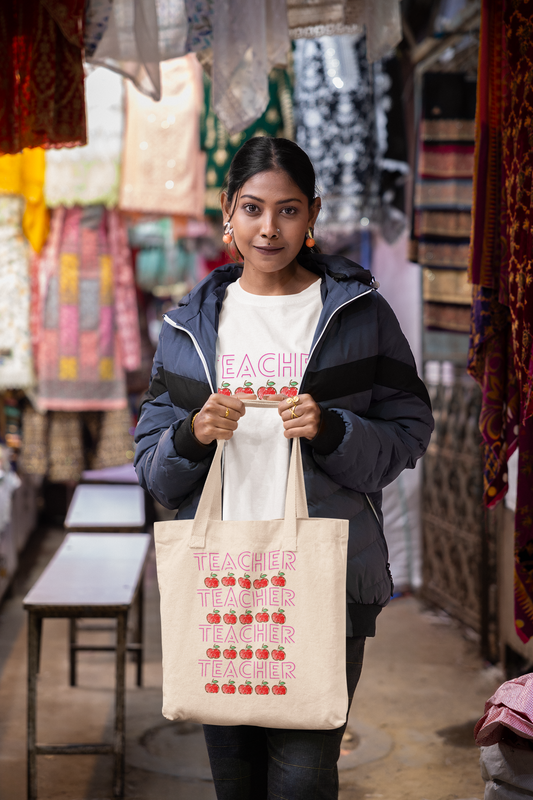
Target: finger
pixel 243 397
pixel 274 397
pixel 228 402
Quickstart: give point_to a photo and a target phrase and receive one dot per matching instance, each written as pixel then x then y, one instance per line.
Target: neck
pixel 292 279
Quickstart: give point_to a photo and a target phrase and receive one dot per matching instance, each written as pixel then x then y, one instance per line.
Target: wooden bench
pixel 104 507
pixel 91 575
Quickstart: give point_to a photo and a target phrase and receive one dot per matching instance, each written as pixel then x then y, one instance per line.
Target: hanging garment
pixel 250 37
pixel 139 35
pixel 91 174
pixel 501 352
pixel 89 328
pixel 163 170
pixel 220 146
pixel 199 24
pixel 16 363
pixel 41 74
pixel 23 174
pixel 96 20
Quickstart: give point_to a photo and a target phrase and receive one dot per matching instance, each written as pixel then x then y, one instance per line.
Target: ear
pixel 314 210
pixel 225 206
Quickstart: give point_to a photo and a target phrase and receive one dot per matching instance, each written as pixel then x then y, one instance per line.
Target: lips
pixel 268 251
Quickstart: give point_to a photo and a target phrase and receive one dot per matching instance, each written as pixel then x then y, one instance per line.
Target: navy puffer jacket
pixel 376 415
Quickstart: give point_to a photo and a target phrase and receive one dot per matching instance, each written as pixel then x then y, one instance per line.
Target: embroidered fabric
pixel 163 170
pixel 16 365
pixel 249 38
pixel 91 174
pixel 24 174
pixel 140 34
pixel 41 74
pixel 200 24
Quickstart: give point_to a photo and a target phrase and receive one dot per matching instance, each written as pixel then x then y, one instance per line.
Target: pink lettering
pixel 287 597
pixel 214 563
pixel 260 633
pixel 275 634
pixel 228 564
pixel 204 664
pixel 218 633
pixel 245 565
pixel 274 559
pixel 246 370
pixel 216 594
pixel 274 672
pixel 286 364
pixel 231 636
pixel 217 669
pixel 260 598
pixel 206 632
pixel 231 599
pixel 288 668
pixel 227 366
pixel 245 634
pixel 203 594
pixel 275 597
pixel 245 598
pixel 260 669
pixel 245 669
pixel 200 558
pixel 288 633
pixel 262 367
pixel 231 672
pixel 288 560
pixel 258 562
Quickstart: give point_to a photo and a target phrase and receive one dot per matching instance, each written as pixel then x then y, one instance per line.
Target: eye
pixel 289 211
pixel 250 208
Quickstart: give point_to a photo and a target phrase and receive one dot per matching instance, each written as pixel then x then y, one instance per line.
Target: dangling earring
pixel 309 241
pixel 228 231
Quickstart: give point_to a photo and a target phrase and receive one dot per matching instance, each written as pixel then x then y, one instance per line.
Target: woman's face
pixel 270 220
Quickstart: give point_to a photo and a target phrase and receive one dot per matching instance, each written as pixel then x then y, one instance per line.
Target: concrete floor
pixel 410 730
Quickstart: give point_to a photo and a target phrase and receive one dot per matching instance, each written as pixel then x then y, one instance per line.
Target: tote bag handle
pixel 210 506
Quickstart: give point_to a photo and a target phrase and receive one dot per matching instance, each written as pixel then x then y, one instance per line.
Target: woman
pixel 310 333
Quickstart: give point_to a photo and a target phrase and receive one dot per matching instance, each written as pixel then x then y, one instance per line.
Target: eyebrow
pixel 280 202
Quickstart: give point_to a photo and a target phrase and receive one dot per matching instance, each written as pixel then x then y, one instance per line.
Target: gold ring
pixel 294 415
pixel 227 413
pixel 291 401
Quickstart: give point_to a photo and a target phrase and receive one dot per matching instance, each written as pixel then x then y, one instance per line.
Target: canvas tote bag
pixel 253 613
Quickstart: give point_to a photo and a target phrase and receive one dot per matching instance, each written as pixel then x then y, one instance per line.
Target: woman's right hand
pixel 219 417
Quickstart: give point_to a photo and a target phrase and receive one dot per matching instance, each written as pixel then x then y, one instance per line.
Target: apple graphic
pixel 291 390
pixel 231 652
pixel 246 389
pixel 247 652
pixel 229 688
pixel 213 652
pixel 246 618
pixel 214 618
pixel 279 689
pixel 262 653
pixel 224 389
pixel 228 580
pixel 262 616
pixel 279 616
pixel 245 582
pixel 268 389
pixel 245 688
pixel 279 654
pixel 278 580
pixel 212 688
pixel 261 582
pixel 262 688
pixel 212 582
pixel 231 618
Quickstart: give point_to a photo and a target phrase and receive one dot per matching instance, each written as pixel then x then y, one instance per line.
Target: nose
pixel 269 230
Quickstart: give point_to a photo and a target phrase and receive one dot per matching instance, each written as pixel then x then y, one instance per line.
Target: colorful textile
pixel 163 169
pixel 501 352
pixel 510 707
pixel 23 174
pixel 41 74
pixel 97 14
pixel 16 364
pixel 220 146
pixel 91 174
pixel 200 24
pixel 89 327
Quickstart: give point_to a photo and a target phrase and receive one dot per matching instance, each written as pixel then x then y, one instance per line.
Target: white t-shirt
pixel 263 346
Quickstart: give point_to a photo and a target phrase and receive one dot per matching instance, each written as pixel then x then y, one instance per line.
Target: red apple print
pixel 231 652
pixel 261 582
pixel 262 616
pixel 229 688
pixel 213 652
pixel 246 389
pixel 245 688
pixel 279 654
pixel 279 689
pixel 228 580
pixel 262 653
pixel 279 616
pixel 246 618
pixel 231 618
pixel 245 582
pixel 214 618
pixel 278 580
pixel 268 389
pixel 212 582
pixel 212 688
pixel 247 653
pixel 291 390
pixel 262 688
pixel 224 389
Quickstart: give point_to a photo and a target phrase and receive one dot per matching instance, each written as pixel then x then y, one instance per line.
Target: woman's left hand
pixel 301 416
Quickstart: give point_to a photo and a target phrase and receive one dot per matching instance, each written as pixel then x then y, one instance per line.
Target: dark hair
pixel 263 153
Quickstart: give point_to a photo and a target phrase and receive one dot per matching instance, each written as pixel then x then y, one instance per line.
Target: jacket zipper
pixel 197 347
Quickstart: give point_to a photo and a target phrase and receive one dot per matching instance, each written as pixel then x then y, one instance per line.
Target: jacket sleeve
pixel 169 460
pixel 371 451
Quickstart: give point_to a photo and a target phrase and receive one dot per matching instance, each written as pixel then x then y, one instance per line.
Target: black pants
pixel 250 763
